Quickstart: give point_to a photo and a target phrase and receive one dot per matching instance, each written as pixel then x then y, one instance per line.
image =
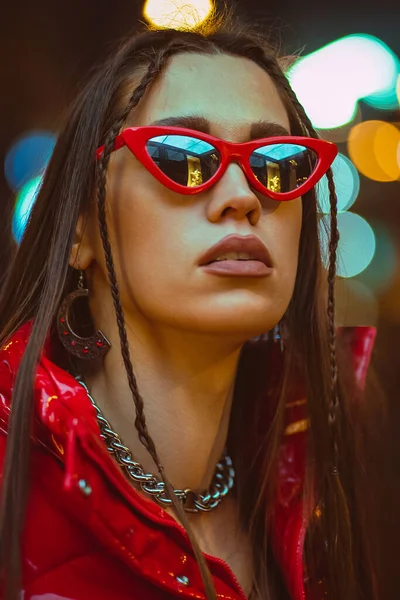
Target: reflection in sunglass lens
pixel 283 167
pixel 184 159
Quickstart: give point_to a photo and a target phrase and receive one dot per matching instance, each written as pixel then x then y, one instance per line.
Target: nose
pixel 232 195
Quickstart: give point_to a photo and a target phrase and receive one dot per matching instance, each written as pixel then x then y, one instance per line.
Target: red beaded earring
pixel 92 347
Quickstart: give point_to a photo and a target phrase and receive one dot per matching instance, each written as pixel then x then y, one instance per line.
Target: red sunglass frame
pixel 135 138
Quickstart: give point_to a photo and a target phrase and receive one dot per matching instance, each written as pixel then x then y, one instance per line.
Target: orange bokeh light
pixel 374 149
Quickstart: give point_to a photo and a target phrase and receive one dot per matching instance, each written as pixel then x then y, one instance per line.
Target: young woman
pixel 180 202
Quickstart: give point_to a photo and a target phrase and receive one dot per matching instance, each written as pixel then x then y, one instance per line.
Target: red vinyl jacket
pixel 90 536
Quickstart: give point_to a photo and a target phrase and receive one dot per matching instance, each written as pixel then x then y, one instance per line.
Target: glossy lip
pixel 238 268
pixel 250 244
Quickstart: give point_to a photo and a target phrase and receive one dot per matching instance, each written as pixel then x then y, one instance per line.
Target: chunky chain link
pixel 222 482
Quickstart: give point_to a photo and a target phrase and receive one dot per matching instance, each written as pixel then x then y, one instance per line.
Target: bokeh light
pixel 356 245
pixel 398 155
pixel 315 79
pixel 28 157
pixel 23 206
pixel 386 68
pixel 373 147
pixel 398 89
pixel 341 134
pixel 347 184
pixel 177 14
pixel 330 81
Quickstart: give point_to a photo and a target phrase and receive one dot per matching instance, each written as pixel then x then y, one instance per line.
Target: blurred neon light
pixel 347 184
pixel 386 68
pixel 27 157
pixel 177 14
pixel 23 206
pixel 356 246
pixel 330 82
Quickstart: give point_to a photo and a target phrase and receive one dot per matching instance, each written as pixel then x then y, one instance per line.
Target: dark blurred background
pixel 48 50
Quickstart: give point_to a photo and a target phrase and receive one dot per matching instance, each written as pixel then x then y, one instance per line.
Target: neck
pixel 186 382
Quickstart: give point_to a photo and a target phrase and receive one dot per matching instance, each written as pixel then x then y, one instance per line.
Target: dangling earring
pixel 92 347
pixel 276 335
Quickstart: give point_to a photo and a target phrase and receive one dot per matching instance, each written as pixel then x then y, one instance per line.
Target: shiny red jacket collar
pixel 87 526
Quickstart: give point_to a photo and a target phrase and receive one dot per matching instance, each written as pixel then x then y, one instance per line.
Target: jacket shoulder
pixel 11 355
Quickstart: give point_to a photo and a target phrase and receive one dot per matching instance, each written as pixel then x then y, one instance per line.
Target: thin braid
pixel 140 421
pixel 334 405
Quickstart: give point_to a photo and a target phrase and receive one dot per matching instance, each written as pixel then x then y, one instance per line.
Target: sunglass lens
pixel 283 167
pixel 183 159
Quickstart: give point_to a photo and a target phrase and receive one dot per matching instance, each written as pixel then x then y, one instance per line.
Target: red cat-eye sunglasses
pixel 189 162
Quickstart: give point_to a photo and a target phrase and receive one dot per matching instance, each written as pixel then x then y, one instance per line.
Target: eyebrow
pixel 260 129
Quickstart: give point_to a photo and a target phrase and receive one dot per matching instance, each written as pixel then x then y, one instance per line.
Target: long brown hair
pixel 40 277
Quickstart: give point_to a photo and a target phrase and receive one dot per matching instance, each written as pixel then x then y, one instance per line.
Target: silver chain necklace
pixel 193 502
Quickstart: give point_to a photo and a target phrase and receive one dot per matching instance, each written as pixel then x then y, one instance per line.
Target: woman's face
pixel 158 235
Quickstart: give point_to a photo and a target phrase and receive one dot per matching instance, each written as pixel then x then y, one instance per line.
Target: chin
pixel 254 314
pixel 239 326
pixel 239 316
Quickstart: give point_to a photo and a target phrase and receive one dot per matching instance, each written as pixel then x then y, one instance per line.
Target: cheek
pixel 134 209
pixel 285 230
pixel 147 231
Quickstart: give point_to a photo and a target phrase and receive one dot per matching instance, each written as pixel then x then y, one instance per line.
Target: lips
pixel 250 244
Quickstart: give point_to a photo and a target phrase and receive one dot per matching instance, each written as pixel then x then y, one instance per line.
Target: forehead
pixel 231 92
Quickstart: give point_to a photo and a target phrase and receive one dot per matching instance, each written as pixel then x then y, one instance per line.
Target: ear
pixel 82 252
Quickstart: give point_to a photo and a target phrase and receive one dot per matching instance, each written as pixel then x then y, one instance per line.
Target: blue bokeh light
pixel 347 185
pixel 356 246
pixel 28 157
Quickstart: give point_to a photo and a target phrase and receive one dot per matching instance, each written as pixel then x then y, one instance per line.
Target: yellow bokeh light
pixel 177 14
pixel 398 155
pixel 373 148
